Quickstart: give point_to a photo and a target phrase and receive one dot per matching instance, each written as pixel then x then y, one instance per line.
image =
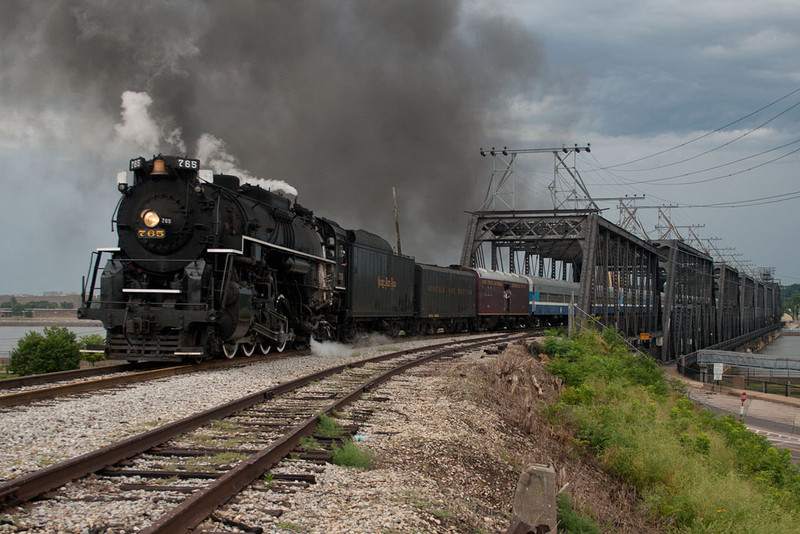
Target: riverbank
pixel 27 321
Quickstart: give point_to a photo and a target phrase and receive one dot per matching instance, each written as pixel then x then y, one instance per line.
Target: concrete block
pixel 535 498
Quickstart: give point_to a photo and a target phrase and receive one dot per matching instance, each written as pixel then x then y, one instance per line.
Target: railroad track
pixel 62 376
pixel 21 390
pixel 213 455
pixel 65 383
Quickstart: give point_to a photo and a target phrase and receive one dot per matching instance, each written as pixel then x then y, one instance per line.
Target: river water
pixel 785 346
pixel 10 335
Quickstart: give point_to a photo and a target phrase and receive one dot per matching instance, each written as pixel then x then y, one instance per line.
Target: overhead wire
pixel 657 181
pixel 784 97
pixel 667 207
pixel 723 145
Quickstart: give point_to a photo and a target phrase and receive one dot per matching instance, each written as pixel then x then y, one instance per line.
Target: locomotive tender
pixel 207 266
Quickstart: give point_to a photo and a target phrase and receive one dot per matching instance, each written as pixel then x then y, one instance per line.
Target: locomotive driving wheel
pixel 280 345
pixel 248 349
pixel 229 349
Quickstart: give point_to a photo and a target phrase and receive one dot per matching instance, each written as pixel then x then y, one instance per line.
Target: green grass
pixel 224 426
pixel 351 455
pixel 570 521
pixel 328 427
pixel 310 444
pixel 701 473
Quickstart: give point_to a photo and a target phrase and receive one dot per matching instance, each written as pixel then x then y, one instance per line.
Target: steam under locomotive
pixel 207 266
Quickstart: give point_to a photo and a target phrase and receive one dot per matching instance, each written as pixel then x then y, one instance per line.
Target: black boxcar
pixel 380 282
pixel 442 292
pixel 444 299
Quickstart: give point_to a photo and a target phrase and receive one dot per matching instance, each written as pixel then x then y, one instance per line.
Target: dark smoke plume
pixel 341 99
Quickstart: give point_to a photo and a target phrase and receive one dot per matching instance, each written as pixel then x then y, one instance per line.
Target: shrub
pixel 56 350
pixel 699 472
pixel 570 521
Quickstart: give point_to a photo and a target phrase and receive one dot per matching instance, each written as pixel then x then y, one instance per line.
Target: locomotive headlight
pixel 150 218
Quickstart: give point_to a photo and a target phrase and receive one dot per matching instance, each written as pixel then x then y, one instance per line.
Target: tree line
pixel 19 310
pixel 791 299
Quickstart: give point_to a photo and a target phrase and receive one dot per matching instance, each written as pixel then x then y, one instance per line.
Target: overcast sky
pixel 686 103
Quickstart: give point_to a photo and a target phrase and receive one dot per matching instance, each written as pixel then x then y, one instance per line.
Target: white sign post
pixel 717 372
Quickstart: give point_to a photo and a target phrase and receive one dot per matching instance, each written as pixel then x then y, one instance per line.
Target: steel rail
pixel 45 378
pixel 63 390
pixel 31 395
pixel 27 487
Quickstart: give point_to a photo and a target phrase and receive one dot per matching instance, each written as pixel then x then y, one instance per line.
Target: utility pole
pixel 501 192
pixel 630 218
pixel 396 220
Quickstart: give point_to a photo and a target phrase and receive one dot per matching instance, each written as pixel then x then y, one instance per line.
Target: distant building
pixel 73 298
pixel 52 313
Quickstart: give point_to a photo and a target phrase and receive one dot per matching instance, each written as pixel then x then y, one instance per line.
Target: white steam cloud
pixel 212 153
pixel 334 348
pixel 330 349
pixel 139 128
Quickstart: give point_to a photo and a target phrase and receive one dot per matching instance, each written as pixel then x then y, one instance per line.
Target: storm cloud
pixel 341 99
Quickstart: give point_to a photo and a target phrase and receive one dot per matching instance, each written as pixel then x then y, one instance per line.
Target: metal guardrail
pixel 746 382
pixel 690 360
pixel 747 360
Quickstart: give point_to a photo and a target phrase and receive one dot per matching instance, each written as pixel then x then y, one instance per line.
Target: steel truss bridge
pixel 668 295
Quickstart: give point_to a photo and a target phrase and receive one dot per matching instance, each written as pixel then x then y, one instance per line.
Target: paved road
pixel 775 416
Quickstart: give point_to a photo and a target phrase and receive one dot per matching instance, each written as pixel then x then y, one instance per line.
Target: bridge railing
pixel 687 365
pixel 764 384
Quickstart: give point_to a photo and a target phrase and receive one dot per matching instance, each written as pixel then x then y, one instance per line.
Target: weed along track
pixel 177 476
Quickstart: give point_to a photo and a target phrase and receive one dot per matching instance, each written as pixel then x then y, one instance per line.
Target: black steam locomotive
pixel 207 266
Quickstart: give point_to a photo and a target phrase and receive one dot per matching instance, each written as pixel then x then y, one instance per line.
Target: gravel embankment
pixel 442 466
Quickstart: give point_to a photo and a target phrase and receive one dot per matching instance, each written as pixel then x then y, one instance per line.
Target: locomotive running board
pixel 268 245
pixel 162 291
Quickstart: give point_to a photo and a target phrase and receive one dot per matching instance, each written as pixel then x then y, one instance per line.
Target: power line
pixel 783 197
pixel 717 147
pixel 657 181
pixel 706 134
